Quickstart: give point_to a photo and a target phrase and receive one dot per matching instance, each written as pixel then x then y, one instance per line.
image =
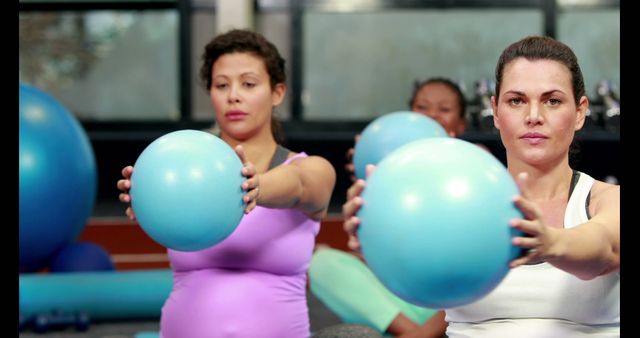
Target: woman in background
pixel 345 283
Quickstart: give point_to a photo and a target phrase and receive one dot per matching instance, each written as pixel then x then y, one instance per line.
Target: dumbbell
pixel 58 320
pixel 611 112
pixel 24 322
pixel 484 91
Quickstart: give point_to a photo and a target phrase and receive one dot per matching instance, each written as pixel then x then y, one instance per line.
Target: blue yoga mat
pixel 101 294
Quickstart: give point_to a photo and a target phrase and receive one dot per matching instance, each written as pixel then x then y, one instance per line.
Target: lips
pixel 235 115
pixel 534 138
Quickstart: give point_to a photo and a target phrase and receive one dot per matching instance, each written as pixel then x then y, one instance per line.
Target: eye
pixel 220 85
pixel 515 101
pixel 554 102
pixel 249 84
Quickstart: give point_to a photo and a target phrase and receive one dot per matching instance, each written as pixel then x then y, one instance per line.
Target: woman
pixel 252 284
pixel 345 283
pixel 438 98
pixel 567 285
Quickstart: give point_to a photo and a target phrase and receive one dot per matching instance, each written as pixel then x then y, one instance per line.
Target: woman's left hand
pixel 252 184
pixel 538 238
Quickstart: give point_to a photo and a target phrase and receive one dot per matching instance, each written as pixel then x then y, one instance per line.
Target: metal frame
pixel 297 127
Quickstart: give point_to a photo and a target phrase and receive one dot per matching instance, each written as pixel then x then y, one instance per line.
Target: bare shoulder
pixel 313 161
pixel 605 195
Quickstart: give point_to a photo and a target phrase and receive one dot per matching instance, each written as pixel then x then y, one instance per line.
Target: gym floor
pixel 320 316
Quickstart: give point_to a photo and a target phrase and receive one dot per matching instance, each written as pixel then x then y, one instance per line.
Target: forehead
pixel 522 71
pixel 239 63
pixel 437 90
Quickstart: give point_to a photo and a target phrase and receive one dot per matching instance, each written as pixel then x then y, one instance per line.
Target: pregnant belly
pixel 220 303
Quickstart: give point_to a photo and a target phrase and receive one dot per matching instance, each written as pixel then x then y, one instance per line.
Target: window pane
pixel 594 35
pixel 361 65
pixel 104 65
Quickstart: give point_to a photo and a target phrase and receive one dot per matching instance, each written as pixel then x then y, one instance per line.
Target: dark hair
pixel 542 48
pixel 246 41
pixel 545 48
pixel 418 85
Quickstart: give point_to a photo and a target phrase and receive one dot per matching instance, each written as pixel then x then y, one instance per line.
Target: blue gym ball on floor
pixel 57 177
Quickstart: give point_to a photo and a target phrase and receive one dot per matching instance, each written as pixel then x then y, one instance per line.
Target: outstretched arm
pixel 305 184
pixel 588 250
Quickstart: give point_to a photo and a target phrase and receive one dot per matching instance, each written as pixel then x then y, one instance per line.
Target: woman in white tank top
pixel 568 283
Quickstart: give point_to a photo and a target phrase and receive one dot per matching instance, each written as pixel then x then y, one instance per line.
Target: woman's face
pixel 242 96
pixel 438 101
pixel 536 111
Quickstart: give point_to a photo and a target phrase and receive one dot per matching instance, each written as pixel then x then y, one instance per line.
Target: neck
pixel 258 149
pixel 545 183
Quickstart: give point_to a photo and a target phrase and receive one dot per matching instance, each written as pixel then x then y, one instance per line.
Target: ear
pixel 277 95
pixel 494 106
pixel 462 125
pixel 581 112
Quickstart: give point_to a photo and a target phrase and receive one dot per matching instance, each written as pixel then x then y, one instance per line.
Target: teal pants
pixel 348 287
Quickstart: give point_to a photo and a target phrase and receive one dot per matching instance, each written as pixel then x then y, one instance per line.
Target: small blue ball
pixel 186 190
pixel 435 222
pixel 390 131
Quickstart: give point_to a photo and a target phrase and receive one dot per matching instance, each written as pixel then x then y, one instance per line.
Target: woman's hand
pixel 252 184
pixel 539 238
pixel 351 207
pixel 124 185
pixel 350 167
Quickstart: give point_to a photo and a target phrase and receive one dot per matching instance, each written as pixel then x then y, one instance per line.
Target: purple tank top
pixel 252 284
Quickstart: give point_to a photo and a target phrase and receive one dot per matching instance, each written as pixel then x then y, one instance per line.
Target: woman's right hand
pixel 350 167
pixel 351 207
pixel 124 185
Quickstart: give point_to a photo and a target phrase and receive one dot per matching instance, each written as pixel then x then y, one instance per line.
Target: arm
pixel 588 250
pixel 305 184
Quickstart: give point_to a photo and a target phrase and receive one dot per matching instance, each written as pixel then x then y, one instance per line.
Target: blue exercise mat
pixel 100 294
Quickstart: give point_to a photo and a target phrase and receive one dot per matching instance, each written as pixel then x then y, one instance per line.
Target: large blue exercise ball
pixel 57 177
pixel 435 222
pixel 186 190
pixel 82 256
pixel 390 131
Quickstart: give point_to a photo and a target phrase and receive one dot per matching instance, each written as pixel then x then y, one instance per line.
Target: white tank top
pixel 542 301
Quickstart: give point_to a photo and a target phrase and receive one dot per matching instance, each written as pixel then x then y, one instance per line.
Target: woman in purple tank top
pixel 252 284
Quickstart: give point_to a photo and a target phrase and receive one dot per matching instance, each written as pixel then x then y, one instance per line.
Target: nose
pixel 234 94
pixel 533 115
pixel 429 113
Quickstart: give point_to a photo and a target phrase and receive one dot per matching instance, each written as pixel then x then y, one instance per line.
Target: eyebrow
pixel 547 93
pixel 241 75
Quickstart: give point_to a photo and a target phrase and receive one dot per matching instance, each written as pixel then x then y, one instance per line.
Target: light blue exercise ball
pixel 390 131
pixel 186 190
pixel 435 222
pixel 58 177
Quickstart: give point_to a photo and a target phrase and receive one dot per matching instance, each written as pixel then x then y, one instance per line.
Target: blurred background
pixel 128 69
